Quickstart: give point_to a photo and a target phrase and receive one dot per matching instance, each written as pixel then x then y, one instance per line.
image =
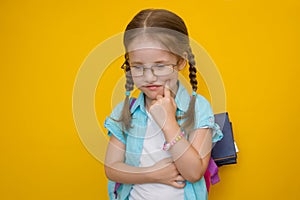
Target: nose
pixel 148 75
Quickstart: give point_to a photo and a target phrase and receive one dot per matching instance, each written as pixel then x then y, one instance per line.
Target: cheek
pixel 172 81
pixel 137 82
pixel 173 84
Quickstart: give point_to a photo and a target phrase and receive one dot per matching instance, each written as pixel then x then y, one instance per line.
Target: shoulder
pixel 113 125
pixel 205 117
pixel 112 122
pixel 117 110
pixel 201 99
pixel 202 104
pixel 203 112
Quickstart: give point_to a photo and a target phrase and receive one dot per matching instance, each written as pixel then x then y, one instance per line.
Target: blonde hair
pixel 170 30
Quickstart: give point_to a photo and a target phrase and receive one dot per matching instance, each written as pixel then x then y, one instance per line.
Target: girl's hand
pixel 163 109
pixel 165 172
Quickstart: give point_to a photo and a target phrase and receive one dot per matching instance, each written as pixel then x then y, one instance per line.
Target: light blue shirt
pixel 204 117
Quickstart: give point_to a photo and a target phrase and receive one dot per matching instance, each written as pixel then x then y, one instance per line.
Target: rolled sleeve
pixel 113 126
pixel 204 118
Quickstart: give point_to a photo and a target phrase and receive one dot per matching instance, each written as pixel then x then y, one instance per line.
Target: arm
pixel 191 157
pixel 116 170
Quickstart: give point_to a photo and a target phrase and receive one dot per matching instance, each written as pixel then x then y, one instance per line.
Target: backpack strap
pixel 132 100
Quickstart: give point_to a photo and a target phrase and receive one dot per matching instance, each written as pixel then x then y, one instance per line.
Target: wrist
pixel 170 126
pixel 177 138
pixel 154 175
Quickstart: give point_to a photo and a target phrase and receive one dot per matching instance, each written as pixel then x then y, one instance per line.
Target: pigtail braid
pixel 193 70
pixel 190 114
pixel 129 81
pixel 125 117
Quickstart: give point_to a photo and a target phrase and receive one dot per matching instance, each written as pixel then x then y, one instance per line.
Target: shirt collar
pixel 182 100
pixel 139 102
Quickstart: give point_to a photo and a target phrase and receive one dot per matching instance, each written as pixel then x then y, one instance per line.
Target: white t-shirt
pixel 151 154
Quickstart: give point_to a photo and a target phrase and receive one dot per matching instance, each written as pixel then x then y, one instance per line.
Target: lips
pixel 152 87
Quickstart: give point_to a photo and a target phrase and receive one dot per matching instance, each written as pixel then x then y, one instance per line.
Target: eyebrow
pixel 141 63
pixel 136 63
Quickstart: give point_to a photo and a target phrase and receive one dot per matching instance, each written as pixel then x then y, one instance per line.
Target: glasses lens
pixel 157 70
pixel 162 70
pixel 137 70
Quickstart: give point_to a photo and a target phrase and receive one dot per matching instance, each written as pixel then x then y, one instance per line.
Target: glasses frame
pixel 172 66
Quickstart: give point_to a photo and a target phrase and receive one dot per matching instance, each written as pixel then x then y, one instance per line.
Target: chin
pixel 153 95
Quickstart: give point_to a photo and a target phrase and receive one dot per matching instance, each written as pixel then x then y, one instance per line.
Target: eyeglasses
pixel 157 69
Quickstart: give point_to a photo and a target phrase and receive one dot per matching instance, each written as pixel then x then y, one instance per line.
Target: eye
pixel 159 66
pixel 137 67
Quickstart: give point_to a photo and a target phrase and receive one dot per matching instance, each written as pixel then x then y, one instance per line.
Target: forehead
pixel 151 55
pixel 144 49
pixel 145 42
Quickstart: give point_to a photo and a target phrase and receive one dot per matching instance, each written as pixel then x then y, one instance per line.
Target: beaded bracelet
pixel 167 146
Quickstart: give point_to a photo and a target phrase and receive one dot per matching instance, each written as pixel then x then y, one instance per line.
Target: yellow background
pixel 255 45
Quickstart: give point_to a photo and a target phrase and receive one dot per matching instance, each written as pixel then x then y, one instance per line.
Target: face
pixel 148 53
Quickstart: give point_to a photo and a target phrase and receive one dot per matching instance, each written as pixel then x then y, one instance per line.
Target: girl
pixel 160 143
